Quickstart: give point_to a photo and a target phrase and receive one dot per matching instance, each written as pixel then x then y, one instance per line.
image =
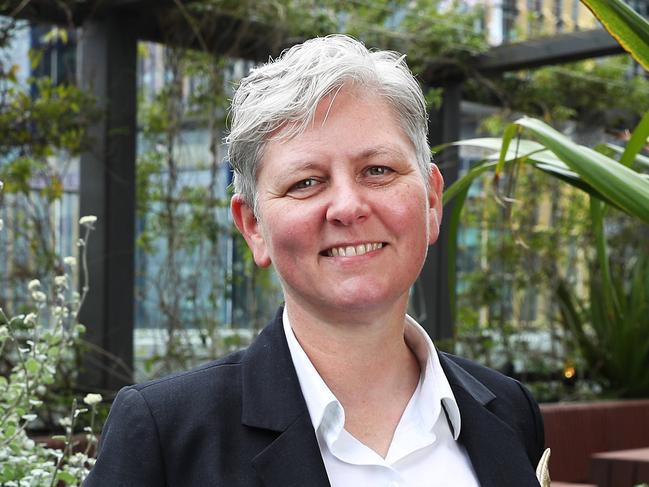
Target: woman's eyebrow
pixel 291 167
pixel 304 164
pixel 378 151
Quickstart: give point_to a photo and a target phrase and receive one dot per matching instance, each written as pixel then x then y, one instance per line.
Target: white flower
pixel 34 284
pixel 71 261
pixel 29 417
pixel 60 311
pixel 88 221
pixel 30 319
pixel 77 412
pixel 92 399
pixel 61 281
pixel 2 224
pixel 65 422
pixel 39 296
pixel 2 185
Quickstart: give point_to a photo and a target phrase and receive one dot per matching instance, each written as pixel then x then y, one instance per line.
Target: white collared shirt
pixel 424 449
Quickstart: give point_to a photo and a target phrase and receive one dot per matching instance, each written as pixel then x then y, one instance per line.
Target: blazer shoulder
pixel 513 403
pixel 217 376
pixel 502 386
pixel 486 375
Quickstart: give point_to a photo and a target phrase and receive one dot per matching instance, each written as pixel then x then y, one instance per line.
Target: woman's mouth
pixel 353 250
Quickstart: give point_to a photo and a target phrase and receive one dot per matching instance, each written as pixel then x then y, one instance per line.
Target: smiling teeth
pixel 351 251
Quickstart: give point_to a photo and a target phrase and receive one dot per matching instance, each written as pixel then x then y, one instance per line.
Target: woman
pixel 334 188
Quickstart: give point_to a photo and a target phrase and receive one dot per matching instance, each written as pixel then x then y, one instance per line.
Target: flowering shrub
pixel 38 344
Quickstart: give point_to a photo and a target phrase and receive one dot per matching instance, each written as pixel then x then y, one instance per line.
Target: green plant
pixel 610 330
pixel 183 209
pixel 609 325
pixel 39 344
pixel 43 130
pixel 626 25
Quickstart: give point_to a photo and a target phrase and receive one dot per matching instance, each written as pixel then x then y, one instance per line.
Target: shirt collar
pixel 326 412
pixel 435 388
pixel 317 395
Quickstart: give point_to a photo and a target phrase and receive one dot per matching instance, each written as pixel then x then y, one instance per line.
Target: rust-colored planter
pixel 575 431
pixel 79 443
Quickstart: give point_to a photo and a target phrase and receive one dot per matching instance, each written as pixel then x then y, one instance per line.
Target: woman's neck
pixel 366 363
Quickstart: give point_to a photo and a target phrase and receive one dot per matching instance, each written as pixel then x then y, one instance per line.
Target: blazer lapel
pixel 293 459
pixel 272 399
pixel 497 454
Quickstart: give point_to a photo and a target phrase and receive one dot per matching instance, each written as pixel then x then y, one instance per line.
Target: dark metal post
pixel 431 296
pixel 107 68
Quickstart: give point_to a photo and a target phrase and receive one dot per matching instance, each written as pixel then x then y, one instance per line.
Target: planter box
pixel 78 443
pixel 574 431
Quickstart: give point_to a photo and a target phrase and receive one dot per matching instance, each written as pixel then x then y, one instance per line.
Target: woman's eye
pixel 378 170
pixel 305 184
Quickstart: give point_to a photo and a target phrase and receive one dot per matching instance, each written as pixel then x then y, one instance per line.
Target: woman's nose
pixel 348 203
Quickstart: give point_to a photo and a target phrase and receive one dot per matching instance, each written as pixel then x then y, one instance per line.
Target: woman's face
pixel 344 214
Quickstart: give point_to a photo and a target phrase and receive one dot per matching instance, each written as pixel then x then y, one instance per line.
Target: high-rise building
pixel 517 20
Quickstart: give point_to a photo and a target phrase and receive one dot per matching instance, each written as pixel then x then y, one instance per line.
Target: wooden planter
pixel 78 441
pixel 575 431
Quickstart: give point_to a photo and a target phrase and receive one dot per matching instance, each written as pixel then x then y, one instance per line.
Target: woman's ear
pixel 435 191
pixel 248 225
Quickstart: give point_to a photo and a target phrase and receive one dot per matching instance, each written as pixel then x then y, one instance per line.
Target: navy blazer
pixel 242 421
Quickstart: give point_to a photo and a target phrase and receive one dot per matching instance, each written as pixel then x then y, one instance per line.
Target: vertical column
pixel 107 68
pixel 431 293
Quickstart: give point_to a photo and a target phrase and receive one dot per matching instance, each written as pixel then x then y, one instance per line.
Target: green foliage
pixel 626 25
pixel 519 233
pixel 299 19
pixel 598 174
pixel 35 349
pixel 610 329
pixel 442 35
pixel 435 34
pixel 43 130
pixel 42 126
pixel 42 133
pixel 184 209
pixel 610 324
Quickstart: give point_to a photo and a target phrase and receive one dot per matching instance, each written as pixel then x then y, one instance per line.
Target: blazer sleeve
pixel 129 450
pixel 535 438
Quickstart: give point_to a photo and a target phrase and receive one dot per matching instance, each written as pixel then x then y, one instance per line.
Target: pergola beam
pixel 562 48
pixel 162 22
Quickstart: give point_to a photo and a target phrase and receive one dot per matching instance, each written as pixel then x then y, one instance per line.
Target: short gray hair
pixel 286 92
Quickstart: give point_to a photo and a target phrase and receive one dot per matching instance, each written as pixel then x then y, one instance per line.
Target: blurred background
pixel 118 109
